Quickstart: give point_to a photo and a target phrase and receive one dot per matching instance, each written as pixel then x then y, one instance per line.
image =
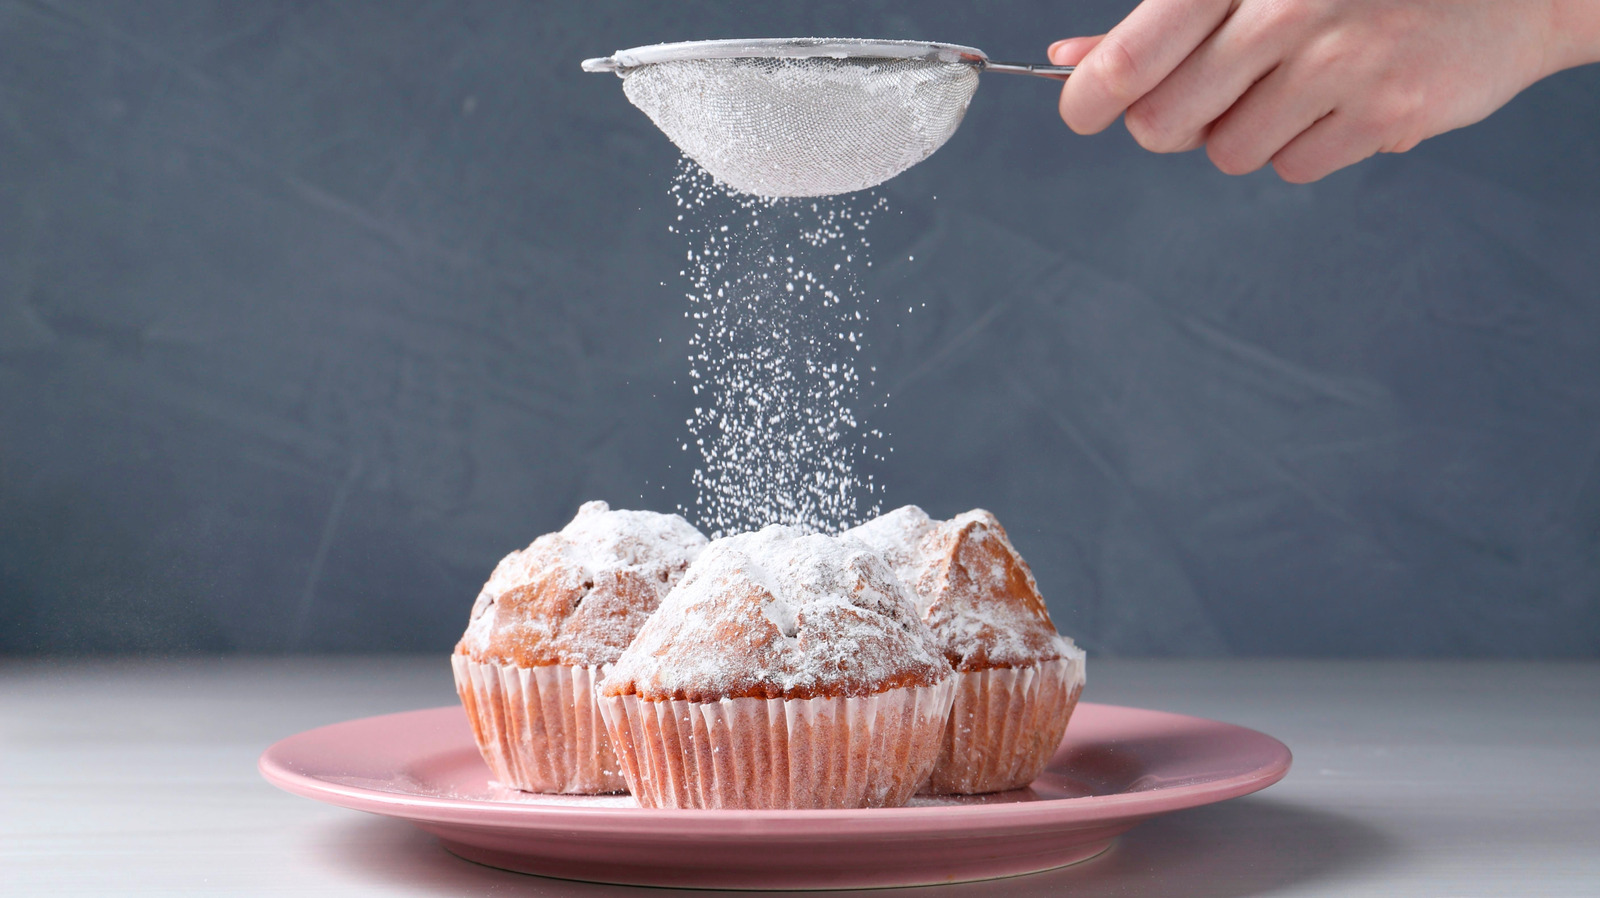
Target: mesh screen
pixel 804 127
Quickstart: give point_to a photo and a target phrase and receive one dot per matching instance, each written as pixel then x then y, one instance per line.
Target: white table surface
pixel 1436 779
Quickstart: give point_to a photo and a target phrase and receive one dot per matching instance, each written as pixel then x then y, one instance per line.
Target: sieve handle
pixel 1058 72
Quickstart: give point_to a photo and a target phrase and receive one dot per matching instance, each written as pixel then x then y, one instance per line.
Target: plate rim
pixel 276 766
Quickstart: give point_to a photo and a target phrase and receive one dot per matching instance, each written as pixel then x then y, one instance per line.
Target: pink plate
pixel 1116 767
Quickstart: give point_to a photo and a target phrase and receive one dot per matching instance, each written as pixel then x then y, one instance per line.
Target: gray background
pixel 310 311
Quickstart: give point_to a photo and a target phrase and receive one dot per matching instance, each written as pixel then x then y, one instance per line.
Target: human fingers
pixel 1175 115
pixel 1072 50
pixel 1338 139
pixel 1273 112
pixel 1134 57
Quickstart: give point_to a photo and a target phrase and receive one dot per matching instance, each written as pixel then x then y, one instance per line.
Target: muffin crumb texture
pixel 780 614
pixel 970 585
pixel 577 596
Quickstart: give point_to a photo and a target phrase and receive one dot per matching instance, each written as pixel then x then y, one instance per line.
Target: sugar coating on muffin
pixel 577 596
pixel 971 586
pixel 780 614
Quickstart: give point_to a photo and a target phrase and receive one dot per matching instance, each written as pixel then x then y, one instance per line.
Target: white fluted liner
pixel 1005 723
pixel 871 751
pixel 538 727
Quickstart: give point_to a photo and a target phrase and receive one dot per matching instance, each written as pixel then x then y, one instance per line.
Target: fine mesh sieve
pixel 805 116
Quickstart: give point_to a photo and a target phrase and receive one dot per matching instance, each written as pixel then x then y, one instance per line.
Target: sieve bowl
pixel 789 117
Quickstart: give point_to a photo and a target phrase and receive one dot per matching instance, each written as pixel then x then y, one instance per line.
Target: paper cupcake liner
pixel 538 727
pixel 1005 724
pixel 871 751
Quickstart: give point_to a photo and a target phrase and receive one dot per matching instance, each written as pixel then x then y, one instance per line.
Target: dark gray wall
pixel 310 311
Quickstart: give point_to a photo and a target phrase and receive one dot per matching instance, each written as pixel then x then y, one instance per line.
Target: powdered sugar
pixel 779 613
pixel 780 396
pixel 970 585
pixel 898 537
pixel 803 127
pixel 577 596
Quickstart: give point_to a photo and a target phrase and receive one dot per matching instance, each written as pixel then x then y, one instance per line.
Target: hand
pixel 1312 86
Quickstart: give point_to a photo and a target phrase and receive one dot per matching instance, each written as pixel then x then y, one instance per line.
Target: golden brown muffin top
pixel 780 614
pixel 578 596
pixel 972 588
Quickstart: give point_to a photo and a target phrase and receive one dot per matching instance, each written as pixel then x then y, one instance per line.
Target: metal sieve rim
pixel 786 47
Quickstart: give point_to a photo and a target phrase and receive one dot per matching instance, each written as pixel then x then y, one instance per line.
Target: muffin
pixel 784 671
pixel 1017 679
pixel 549 620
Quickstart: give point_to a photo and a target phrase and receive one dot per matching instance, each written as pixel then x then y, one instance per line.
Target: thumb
pixel 1072 50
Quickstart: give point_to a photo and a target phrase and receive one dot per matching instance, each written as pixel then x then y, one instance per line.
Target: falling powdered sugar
pixel 779 318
